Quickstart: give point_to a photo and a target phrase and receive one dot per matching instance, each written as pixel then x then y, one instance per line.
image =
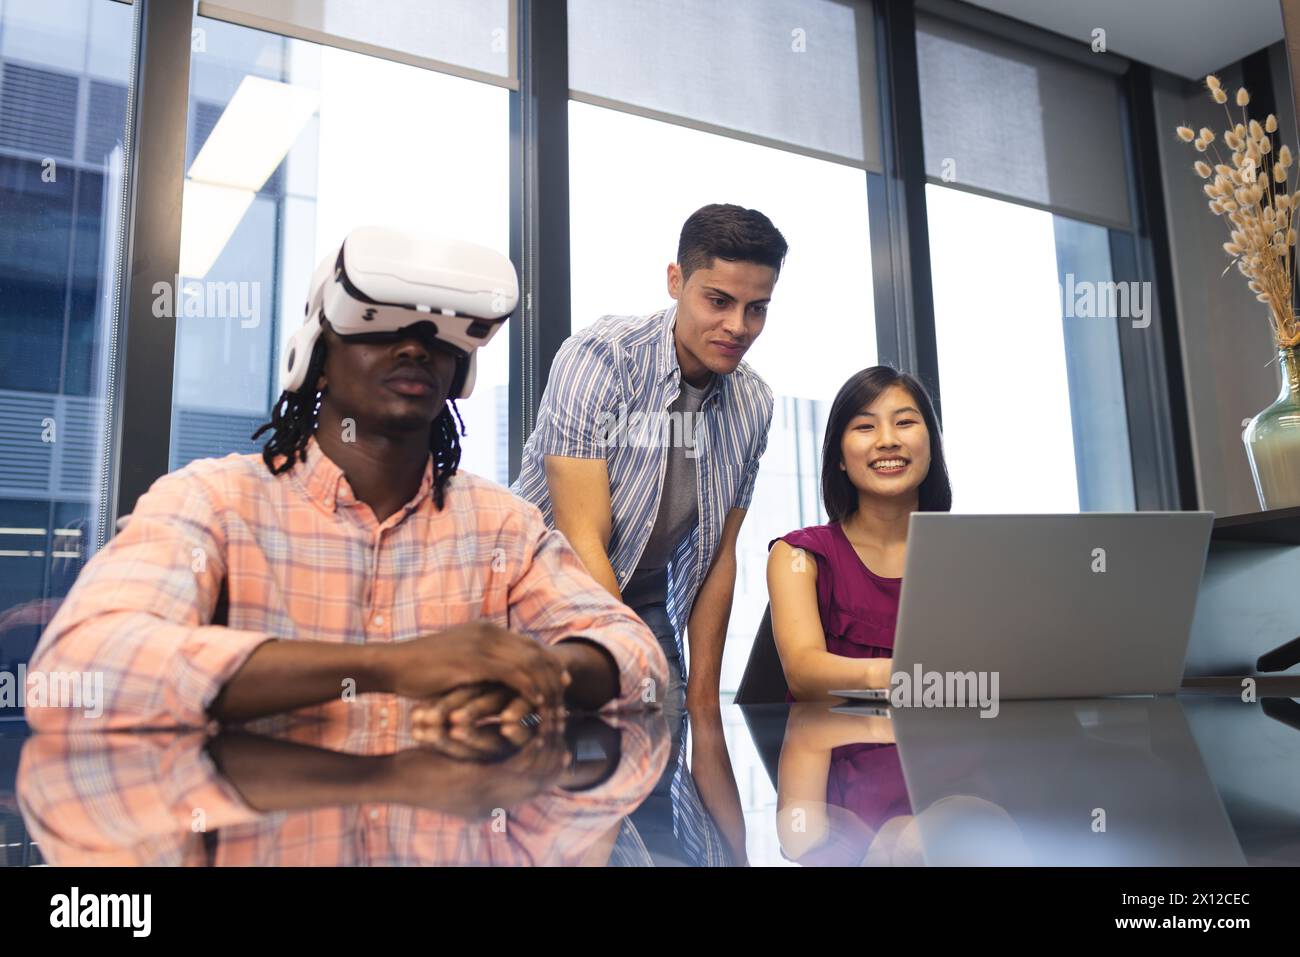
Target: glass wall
pixel 65 72
pixel 1033 395
pixel 769 104
pixel 302 125
pixel 1027 173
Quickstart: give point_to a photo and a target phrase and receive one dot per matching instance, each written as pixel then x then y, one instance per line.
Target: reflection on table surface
pixel 1096 782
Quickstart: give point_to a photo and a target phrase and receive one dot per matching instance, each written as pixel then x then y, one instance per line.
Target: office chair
pixel 764 679
pixel 766 724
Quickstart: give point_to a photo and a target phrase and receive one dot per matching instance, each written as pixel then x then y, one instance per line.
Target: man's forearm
pixel 283 675
pixel 715 780
pixel 275 775
pixel 592 552
pixel 706 630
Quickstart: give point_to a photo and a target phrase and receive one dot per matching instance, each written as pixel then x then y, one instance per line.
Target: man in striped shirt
pixel 648 440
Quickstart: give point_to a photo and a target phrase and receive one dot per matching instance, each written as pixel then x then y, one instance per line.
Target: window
pixel 291 145
pixel 1021 211
pixel 769 104
pixel 1033 397
pixel 633 182
pixel 65 72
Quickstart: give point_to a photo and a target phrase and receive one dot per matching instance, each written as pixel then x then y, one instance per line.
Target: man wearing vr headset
pixel 351 556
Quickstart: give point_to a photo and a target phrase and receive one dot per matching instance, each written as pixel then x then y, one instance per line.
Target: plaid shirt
pixel 624 370
pixel 158 800
pixel 304 559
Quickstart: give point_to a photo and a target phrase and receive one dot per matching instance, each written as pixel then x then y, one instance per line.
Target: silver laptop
pixel 1059 606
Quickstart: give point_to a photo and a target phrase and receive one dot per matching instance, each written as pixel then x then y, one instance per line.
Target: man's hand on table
pixel 281 675
pixel 480 656
pixel 480 674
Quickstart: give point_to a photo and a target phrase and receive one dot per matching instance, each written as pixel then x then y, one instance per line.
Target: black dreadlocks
pixel 294 419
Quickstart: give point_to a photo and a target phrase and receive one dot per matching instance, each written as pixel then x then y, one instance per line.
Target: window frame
pixel 539 241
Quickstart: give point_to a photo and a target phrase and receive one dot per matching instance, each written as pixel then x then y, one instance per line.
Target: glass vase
pixel 1273 439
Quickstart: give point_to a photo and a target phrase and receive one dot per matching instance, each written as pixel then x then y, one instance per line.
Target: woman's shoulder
pixel 819 539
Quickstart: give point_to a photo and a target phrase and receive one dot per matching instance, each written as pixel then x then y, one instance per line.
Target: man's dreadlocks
pixel 294 419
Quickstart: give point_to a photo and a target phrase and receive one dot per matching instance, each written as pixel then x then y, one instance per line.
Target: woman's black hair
pixel 294 421
pixel 839 495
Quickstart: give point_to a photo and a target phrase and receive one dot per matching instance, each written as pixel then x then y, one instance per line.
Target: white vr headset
pixel 384 281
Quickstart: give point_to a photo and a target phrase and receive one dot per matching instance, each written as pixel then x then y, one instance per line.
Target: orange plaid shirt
pixel 304 559
pixel 159 800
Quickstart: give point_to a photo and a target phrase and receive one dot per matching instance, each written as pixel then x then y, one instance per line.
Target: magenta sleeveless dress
pixel 858 607
pixel 867 781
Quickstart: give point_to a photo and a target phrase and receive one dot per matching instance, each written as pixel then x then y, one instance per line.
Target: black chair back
pixel 764 679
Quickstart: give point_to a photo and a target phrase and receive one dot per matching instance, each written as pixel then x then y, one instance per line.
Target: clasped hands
pixel 486 691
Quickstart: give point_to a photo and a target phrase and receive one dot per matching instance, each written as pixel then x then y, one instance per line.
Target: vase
pixel 1273 439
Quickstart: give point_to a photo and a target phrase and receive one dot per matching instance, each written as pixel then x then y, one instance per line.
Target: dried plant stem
pixel 1250 188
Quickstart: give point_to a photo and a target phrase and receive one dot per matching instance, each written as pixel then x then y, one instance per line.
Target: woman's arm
pixel 810 670
pixel 811 734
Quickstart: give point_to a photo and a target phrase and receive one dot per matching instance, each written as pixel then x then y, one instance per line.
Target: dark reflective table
pixel 1189 780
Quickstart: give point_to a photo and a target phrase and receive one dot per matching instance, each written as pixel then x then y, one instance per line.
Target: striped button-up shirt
pixel 302 558
pixel 609 390
pixel 158 800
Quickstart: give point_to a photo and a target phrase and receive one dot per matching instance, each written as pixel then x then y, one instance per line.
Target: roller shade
pixel 469 38
pixel 796 74
pixel 1014 122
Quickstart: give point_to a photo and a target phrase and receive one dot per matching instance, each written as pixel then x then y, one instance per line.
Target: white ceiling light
pixel 260 123
pixel 209 216
pixel 257 128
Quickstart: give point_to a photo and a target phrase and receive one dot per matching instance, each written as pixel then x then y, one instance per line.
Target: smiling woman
pixel 879 416
pixel 833 618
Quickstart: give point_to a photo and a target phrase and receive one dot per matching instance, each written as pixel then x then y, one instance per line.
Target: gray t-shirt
pixel 678 505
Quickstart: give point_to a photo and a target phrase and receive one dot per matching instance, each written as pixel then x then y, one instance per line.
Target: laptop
pixel 1058 606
